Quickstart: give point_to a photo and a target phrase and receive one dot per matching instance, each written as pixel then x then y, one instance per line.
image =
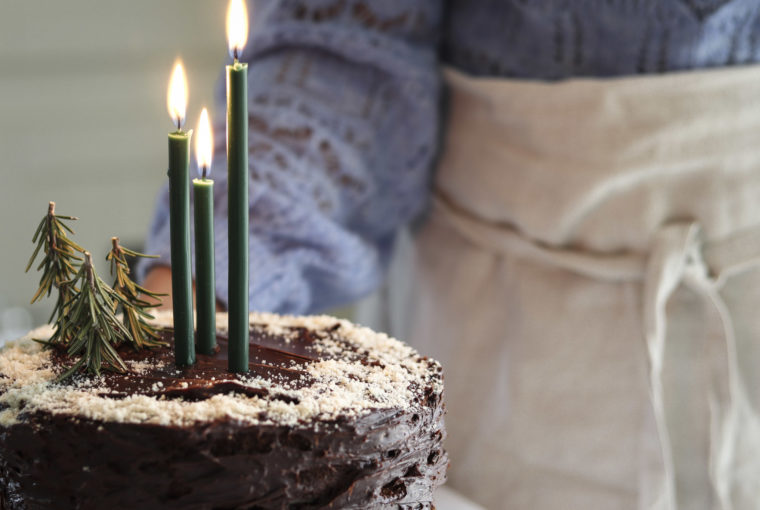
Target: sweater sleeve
pixel 343 125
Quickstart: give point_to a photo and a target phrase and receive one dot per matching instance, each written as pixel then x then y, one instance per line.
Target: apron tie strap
pixel 679 256
pixel 676 258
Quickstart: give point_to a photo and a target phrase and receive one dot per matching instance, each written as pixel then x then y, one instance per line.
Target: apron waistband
pixel 720 259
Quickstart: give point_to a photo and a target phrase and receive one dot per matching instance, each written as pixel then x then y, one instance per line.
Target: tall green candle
pixel 237 185
pixel 179 220
pixel 205 292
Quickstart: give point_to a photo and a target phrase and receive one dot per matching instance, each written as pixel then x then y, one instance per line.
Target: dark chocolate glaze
pixel 387 459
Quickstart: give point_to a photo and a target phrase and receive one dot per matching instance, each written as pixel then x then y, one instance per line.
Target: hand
pixel 159 279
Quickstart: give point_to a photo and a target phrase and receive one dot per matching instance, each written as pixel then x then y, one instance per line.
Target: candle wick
pixel 179 124
pixel 235 54
pixel 204 172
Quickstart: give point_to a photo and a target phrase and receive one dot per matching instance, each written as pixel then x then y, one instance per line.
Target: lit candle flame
pixel 237 27
pixel 204 144
pixel 176 98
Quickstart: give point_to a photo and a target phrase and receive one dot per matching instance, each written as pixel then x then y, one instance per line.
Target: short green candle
pixel 205 282
pixel 237 180
pixel 179 224
pixel 205 287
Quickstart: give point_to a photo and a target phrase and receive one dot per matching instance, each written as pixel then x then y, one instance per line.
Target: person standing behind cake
pixel 587 269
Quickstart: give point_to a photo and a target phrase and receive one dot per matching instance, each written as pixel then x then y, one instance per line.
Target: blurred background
pixel 83 121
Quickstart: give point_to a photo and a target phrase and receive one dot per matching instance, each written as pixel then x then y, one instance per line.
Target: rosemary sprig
pixel 60 260
pixel 143 334
pixel 91 329
pixel 86 324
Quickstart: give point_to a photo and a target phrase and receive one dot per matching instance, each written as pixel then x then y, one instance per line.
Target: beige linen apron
pixel 588 277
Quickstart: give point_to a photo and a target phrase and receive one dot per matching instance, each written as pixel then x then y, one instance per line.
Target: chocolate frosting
pixel 382 459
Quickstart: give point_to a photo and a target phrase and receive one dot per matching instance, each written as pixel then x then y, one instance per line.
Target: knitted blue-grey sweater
pixel 345 114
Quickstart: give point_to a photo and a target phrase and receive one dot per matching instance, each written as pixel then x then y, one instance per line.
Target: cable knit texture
pixel 344 114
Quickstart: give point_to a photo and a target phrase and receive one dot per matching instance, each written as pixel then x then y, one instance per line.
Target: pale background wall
pixel 83 120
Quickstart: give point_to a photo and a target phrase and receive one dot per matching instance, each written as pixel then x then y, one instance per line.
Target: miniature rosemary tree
pixel 60 260
pixel 132 298
pixel 86 324
pixel 91 329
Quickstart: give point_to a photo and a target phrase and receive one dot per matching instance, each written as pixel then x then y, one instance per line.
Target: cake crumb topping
pixel 361 371
pixel 142 366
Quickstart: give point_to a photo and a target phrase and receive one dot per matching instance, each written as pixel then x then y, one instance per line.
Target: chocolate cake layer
pixel 316 424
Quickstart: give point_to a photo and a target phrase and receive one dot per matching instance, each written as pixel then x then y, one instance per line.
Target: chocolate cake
pixel 331 415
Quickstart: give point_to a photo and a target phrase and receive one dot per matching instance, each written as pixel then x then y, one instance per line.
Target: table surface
pixel 447 499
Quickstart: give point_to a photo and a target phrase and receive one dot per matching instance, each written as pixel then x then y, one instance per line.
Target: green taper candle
pixel 179 221
pixel 237 186
pixel 205 292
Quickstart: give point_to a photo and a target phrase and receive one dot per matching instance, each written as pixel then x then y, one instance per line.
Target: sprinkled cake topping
pixel 303 369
